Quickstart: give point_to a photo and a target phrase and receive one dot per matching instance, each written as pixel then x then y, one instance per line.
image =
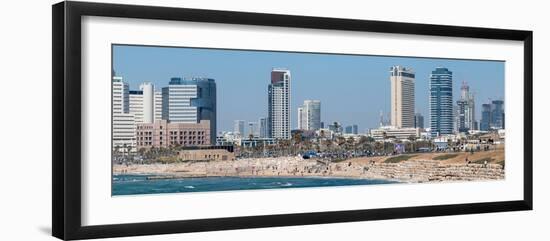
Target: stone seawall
pixel 406 171
pixel 433 171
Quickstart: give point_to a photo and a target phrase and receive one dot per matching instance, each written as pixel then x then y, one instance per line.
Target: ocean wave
pixel 190 187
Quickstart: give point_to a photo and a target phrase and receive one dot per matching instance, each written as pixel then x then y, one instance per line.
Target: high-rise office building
pixel 301 116
pixel 351 129
pixel 485 123
pixel 136 105
pixel 141 104
pixel 238 128
pixel 465 115
pixel 123 123
pixel 189 101
pixel 418 121
pixel 309 115
pixel 263 127
pixel 279 104
pixel 252 129
pixel 148 102
pixel 497 112
pixel 492 115
pixel 336 127
pixel 402 96
pixel 158 105
pixel 441 102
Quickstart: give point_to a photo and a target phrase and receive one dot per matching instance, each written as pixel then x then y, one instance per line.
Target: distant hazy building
pixel 441 102
pixel 418 121
pixel 263 127
pixel 351 129
pixel 190 101
pixel 465 107
pixel 279 104
pixel 238 128
pixel 497 112
pixel 485 123
pixel 123 123
pixel 309 115
pixel 402 96
pixel 336 127
pixel 492 115
pixel 252 129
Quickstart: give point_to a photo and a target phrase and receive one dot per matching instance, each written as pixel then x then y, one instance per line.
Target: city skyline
pixel 366 93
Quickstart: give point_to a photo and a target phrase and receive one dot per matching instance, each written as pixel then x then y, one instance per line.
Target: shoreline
pixel 413 171
pixel 167 176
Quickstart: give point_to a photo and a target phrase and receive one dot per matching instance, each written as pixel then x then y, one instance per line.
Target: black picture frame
pixel 66 157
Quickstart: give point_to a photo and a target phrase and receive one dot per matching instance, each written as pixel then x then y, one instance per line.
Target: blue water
pixel 138 184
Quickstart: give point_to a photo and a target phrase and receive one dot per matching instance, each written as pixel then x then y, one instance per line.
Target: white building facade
pixel 309 115
pixel 402 97
pixel 279 103
pixel 123 123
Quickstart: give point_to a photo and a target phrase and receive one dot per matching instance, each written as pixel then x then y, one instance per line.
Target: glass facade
pixel 441 102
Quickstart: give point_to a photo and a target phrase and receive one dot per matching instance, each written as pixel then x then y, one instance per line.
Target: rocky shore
pixel 416 171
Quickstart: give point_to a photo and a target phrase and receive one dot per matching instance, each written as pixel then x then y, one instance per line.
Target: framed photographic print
pixel 169 120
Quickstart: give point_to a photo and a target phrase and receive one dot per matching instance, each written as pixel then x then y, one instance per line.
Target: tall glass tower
pixel 441 102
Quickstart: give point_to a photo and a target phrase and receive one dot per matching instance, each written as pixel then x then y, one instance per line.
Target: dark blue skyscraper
pixel 492 115
pixel 497 112
pixel 485 124
pixel 441 102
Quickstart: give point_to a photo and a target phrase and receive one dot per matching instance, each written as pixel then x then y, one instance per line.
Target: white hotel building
pixel 309 115
pixel 124 126
pixel 402 97
pixel 279 104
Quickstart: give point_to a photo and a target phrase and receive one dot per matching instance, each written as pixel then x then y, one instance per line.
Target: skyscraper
pixel 441 102
pixel 497 112
pixel 279 104
pixel 263 127
pixel 309 115
pixel 123 123
pixel 238 128
pixel 252 129
pixel 146 108
pixel 485 123
pixel 492 115
pixel 351 129
pixel 158 105
pixel 189 101
pixel 418 121
pixel 136 105
pixel 402 96
pixel 148 102
pixel 465 116
pixel 301 118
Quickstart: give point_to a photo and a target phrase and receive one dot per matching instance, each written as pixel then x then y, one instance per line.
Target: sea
pixel 139 184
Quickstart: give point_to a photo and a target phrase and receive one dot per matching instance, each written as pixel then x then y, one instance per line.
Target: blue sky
pixel 352 89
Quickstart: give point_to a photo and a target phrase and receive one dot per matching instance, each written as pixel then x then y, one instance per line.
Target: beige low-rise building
pixel 206 154
pixel 164 134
